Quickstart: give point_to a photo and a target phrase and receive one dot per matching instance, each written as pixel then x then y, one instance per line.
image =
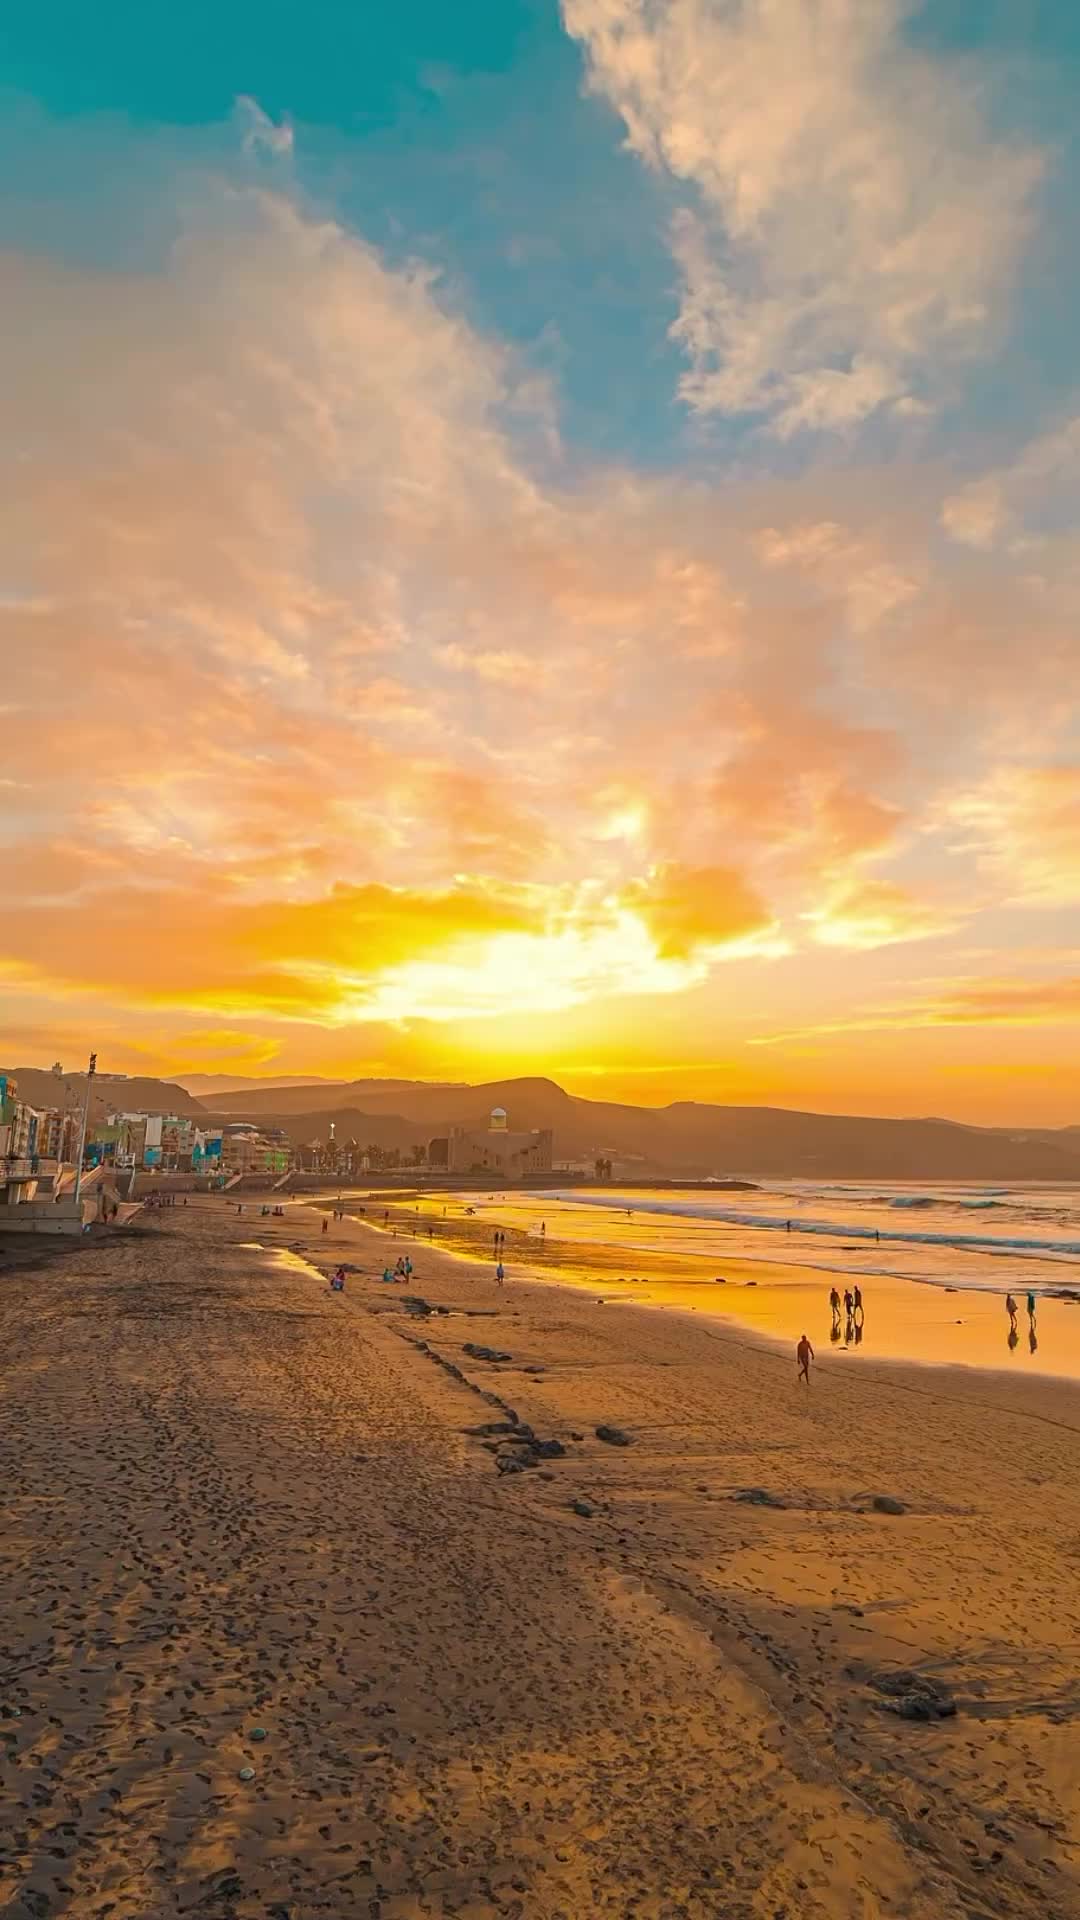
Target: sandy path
pixel 233 1501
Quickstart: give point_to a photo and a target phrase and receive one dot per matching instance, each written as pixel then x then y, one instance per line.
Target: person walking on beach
pixel 1010 1308
pixel 787 1226
pixel 834 1303
pixel 325 1224
pixel 856 1307
pixel 849 1304
pixel 500 1275
pixel 804 1353
pixel 1031 1306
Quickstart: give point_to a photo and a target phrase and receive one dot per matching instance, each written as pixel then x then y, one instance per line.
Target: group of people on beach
pixel 852 1303
pixel 1012 1310
pixel 403 1271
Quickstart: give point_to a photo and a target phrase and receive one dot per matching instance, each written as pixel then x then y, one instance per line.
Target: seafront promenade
pixel 283 1632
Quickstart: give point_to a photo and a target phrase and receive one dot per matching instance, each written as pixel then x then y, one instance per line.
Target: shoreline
pixel 908 1321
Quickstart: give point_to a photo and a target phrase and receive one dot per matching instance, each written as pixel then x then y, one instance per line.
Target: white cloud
pixel 982 512
pixel 260 134
pixel 854 222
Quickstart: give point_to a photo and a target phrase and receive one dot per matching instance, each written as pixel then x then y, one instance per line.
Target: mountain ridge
pixel 692 1137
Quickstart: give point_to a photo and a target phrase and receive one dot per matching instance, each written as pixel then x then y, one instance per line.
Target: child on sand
pixel 804 1353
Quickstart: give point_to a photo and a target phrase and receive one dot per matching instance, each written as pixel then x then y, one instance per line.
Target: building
pixel 19 1124
pixel 58 1135
pixel 246 1148
pixel 495 1149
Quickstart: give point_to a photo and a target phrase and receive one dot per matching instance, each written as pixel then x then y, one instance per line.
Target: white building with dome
pixel 498 1150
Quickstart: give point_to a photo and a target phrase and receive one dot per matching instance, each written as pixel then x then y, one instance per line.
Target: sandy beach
pixel 237 1505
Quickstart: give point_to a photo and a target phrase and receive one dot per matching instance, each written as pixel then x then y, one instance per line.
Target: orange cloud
pixel 532 735
pixel 687 909
pixel 875 913
pixel 1023 825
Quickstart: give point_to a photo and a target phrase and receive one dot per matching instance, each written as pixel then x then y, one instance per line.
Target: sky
pixel 545 538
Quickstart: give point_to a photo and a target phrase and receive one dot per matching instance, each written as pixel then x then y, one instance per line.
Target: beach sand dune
pixel 238 1506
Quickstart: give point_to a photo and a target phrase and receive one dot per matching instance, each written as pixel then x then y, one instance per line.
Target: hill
pixel 255 1099
pixel 111 1093
pixel 207 1085
pixel 686 1137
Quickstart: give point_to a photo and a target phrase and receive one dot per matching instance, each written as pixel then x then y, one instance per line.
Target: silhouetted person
pixel 1031 1306
pixel 500 1274
pixel 856 1304
pixel 834 1302
pixel 787 1225
pixel 849 1304
pixel 804 1353
pixel 1010 1308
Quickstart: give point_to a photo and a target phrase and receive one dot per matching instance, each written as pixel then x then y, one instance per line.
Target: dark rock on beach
pixel 614 1436
pixel 914 1696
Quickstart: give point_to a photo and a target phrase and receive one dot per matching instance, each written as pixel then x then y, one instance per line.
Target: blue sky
pixel 465 135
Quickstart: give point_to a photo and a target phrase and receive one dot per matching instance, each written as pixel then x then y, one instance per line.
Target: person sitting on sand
pixel 804 1353
pixel 387 1277
pixel 337 1283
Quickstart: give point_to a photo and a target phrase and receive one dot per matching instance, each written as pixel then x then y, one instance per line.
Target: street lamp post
pixel 92 1069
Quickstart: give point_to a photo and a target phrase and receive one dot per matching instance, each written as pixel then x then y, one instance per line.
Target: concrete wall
pixel 43 1216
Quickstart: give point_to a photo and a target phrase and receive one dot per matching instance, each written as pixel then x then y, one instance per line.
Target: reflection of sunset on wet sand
pixel 945 1308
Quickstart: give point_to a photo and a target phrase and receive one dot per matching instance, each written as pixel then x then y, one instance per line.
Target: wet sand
pixel 235 1501
pixel 686 1267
